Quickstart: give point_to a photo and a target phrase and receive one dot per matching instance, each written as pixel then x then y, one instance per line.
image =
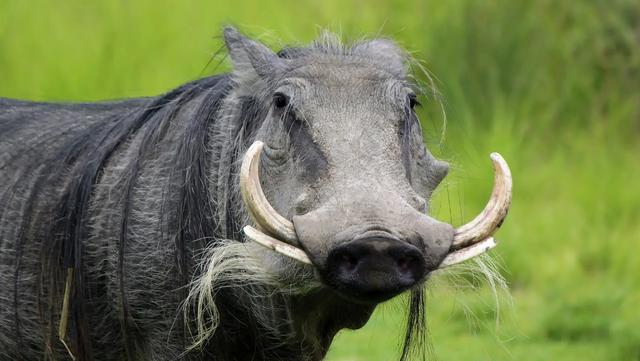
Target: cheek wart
pixel 311 162
pixel 437 172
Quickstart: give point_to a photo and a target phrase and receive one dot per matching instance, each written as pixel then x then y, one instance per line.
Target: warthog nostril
pixel 374 269
pixel 349 262
pixel 403 265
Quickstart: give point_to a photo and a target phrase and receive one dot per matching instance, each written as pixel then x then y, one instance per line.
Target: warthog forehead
pixel 333 92
pixel 331 66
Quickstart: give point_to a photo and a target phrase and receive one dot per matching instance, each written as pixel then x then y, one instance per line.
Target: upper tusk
pixel 491 218
pixel 260 210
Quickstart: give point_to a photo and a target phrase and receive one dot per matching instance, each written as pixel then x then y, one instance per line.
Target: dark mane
pixel 81 160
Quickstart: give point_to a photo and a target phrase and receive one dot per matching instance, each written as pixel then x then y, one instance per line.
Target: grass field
pixel 554 86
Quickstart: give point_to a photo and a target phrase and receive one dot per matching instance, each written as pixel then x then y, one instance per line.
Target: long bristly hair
pixel 76 167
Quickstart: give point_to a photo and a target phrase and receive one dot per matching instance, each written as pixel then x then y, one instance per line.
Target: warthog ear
pixel 252 61
pixel 386 52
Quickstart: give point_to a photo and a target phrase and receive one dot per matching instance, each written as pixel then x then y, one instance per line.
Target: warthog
pixel 122 223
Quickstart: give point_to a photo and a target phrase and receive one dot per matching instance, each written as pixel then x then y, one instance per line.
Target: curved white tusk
pixel 276 245
pixel 262 213
pixel 468 253
pixel 491 218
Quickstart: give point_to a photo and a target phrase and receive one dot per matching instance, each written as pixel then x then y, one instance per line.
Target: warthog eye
pixel 280 100
pixel 413 101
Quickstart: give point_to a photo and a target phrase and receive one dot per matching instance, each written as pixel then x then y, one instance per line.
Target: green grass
pixel 554 86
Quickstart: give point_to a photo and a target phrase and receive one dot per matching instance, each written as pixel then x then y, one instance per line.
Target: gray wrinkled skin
pixel 141 198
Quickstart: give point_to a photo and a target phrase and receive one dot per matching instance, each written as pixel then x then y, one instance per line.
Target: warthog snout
pixel 374 267
pixel 371 247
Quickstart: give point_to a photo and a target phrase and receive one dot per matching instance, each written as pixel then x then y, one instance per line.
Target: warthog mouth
pixel 278 233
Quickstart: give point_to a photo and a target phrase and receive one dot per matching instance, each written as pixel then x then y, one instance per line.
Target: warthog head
pixel 346 176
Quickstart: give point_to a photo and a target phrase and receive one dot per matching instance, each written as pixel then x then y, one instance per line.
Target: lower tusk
pixel 468 252
pixel 276 245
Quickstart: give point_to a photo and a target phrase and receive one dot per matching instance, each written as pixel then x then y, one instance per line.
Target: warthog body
pixel 138 201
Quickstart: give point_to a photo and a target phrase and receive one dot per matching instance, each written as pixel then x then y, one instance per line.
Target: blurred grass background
pixel 554 86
